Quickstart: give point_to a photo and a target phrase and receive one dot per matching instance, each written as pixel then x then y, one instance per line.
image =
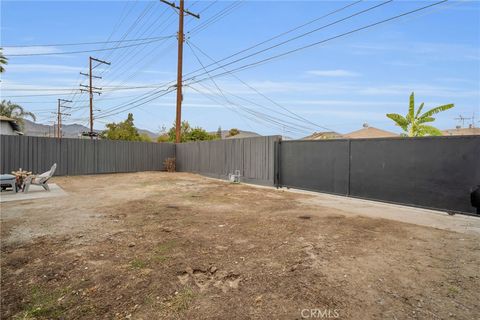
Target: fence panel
pixel 436 172
pixel 252 156
pixel 431 172
pixel 81 156
pixel 315 165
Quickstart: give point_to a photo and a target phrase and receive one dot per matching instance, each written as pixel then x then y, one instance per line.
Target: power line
pixel 299 36
pixel 297 116
pixel 82 43
pixel 147 8
pixel 281 34
pixel 139 59
pixel 219 15
pixel 256 116
pixel 122 18
pixel 254 113
pixel 165 92
pixel 315 43
pixel 152 92
pixel 125 53
pixel 91 50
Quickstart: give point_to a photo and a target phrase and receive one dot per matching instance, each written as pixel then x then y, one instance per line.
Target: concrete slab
pixel 35 192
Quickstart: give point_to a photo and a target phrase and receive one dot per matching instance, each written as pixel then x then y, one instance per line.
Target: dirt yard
pixel 180 246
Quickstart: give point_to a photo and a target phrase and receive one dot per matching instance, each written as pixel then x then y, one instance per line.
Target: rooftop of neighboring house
pixel 13 124
pixel 323 135
pixel 242 134
pixel 370 132
pixel 459 131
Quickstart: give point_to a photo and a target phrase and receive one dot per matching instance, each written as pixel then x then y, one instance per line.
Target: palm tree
pixel 3 61
pixel 414 122
pixel 16 112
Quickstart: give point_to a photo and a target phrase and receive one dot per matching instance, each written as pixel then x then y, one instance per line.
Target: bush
pixel 169 164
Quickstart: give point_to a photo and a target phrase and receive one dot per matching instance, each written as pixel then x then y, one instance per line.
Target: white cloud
pixel 420 89
pixel 333 73
pixel 343 103
pixel 29 50
pixel 432 50
pixel 45 68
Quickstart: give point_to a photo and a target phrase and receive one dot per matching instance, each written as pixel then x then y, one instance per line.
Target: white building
pixel 9 126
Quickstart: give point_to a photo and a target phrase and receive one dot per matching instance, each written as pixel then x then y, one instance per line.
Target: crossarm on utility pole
pixel 172 4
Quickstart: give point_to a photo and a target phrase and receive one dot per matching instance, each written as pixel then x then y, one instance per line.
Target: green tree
pixel 414 122
pixel 219 133
pixel 164 138
pixel 199 134
pixel 185 130
pixel 3 61
pixel 145 137
pixel 189 134
pixel 124 130
pixel 233 132
pixel 16 112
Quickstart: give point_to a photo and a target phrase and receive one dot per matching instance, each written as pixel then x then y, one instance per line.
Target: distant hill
pixel 68 130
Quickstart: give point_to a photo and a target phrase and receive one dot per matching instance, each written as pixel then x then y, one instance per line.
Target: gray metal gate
pixel 431 172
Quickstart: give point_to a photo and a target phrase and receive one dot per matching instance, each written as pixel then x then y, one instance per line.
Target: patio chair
pixel 40 180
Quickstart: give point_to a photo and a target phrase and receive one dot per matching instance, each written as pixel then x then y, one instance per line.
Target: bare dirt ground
pixel 180 246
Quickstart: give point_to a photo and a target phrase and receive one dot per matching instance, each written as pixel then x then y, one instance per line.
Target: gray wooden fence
pixel 81 156
pixel 435 172
pixel 254 157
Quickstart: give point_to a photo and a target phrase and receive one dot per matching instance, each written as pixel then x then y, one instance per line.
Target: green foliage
pixel 414 122
pixel 163 138
pixel 233 132
pixel 15 112
pixel 124 131
pixel 145 137
pixel 199 134
pixel 219 133
pixel 3 61
pixel 184 131
pixel 190 134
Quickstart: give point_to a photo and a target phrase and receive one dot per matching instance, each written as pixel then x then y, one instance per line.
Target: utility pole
pixel 91 89
pixel 462 119
pixel 59 117
pixel 181 35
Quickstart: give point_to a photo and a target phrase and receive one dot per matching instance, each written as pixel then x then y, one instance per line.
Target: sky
pixel 338 84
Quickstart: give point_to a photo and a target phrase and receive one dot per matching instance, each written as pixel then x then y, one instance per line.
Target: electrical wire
pixel 152 91
pixel 87 51
pixel 81 43
pixel 317 42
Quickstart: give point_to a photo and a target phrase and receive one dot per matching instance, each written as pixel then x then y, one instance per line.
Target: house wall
pixel 6 128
